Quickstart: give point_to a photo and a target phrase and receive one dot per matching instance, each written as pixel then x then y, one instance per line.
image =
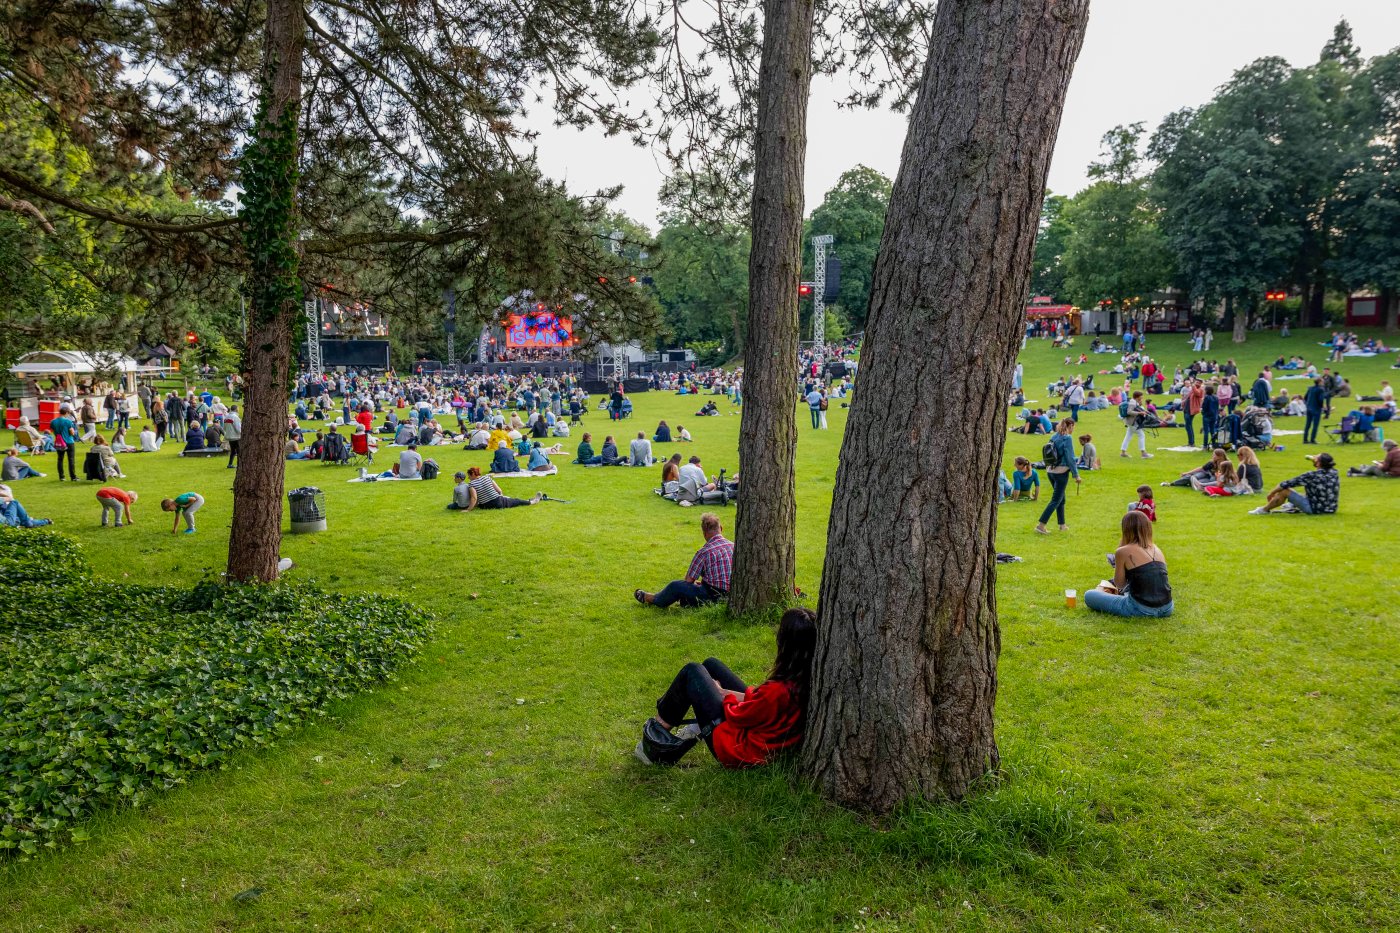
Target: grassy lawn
pixel 1233 766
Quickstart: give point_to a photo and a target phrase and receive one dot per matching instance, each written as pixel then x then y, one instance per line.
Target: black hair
pixel 797 643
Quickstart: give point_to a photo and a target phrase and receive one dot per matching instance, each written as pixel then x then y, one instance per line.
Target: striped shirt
pixel 713 564
pixel 486 490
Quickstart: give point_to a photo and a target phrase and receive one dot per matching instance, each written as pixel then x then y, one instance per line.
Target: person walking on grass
pixel 118 502
pixel 1060 465
pixel 185 504
pixel 1133 418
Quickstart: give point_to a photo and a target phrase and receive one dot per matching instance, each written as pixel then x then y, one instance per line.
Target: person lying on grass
pixel 743 726
pixel 707 579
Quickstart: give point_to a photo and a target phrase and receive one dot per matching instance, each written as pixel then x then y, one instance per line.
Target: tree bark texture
pixel 765 547
pixel 1390 309
pixel 905 675
pixel 1240 331
pixel 255 535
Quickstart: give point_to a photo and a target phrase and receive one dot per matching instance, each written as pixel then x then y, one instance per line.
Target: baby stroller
pixel 1255 424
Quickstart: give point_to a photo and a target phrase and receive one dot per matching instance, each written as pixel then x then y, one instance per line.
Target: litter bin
pixel 308 509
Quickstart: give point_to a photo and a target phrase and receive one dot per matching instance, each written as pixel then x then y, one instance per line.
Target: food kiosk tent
pixel 42 380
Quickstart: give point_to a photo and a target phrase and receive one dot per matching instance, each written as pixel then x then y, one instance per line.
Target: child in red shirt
pixel 1144 504
pixel 743 726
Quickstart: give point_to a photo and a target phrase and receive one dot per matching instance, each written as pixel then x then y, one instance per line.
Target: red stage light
pixel 804 290
pixel 191 338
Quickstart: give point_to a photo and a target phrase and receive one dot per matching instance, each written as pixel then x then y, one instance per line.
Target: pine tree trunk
pixel 270 231
pixel 765 548
pixel 905 677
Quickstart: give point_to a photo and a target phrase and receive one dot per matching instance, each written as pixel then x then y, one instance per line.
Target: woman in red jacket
pixel 743 726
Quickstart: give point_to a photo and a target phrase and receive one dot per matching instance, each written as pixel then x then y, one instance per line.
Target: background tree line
pixel 1288 178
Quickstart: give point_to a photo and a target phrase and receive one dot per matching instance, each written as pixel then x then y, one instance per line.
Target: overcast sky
pixel 1141 61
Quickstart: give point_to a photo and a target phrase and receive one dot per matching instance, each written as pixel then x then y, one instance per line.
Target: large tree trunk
pixel 270 232
pixel 1312 300
pixel 765 547
pixel 1390 309
pixel 905 676
pixel 1241 320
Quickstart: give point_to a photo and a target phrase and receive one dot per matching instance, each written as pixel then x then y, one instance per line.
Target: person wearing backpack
pixel 1134 411
pixel 1060 465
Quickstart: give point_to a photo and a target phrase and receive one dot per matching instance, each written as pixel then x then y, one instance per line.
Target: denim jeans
pixel 687 594
pixel 816 417
pixel 1210 427
pixel 695 688
pixel 1124 605
pixel 1311 426
pixel 1059 482
pixel 1190 430
pixel 1074 413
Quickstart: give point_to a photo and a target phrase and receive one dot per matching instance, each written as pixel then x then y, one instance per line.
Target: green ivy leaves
pixel 109 693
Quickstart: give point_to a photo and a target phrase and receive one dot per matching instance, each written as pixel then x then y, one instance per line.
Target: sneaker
pixel 1289 510
pixel 641 754
pixel 189 531
pixel 1122 453
pixel 1259 511
pixel 1147 456
pixel 690 730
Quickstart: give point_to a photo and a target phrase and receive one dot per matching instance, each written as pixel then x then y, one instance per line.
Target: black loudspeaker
pixel 636 385
pixel 675 356
pixel 597 387
pixel 833 279
pixel 836 370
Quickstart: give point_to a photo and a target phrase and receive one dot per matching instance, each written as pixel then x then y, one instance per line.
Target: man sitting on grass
pixel 1322 488
pixel 1389 467
pixel 707 580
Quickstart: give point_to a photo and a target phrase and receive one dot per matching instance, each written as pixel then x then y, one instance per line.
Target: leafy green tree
pixel 1236 181
pixel 1113 250
pixel 1367 210
pixel 1051 239
pixel 854 213
pixel 702 282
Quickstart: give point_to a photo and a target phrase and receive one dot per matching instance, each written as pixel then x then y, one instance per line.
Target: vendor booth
pixel 44 379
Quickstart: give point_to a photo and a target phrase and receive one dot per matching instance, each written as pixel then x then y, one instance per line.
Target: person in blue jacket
pixel 1059 469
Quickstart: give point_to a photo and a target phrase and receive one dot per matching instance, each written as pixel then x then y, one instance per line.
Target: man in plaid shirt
pixel 707 580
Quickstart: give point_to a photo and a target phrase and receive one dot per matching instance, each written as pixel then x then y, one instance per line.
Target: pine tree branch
pixel 31 187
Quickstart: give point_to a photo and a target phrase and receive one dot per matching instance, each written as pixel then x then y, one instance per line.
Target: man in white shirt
pixel 480 439
pixel 641 450
pixel 695 474
pixel 233 432
pixel 149 442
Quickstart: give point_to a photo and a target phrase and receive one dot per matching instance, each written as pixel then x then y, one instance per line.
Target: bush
pixel 109 693
pixel 29 556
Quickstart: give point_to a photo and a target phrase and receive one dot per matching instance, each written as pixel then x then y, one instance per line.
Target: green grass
pixel 1230 767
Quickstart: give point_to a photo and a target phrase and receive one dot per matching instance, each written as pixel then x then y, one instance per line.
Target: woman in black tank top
pixel 1140 586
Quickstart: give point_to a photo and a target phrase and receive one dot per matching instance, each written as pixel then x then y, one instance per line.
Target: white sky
pixel 1141 61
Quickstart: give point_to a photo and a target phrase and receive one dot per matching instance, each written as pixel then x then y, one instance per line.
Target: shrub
pixel 30 556
pixel 109 693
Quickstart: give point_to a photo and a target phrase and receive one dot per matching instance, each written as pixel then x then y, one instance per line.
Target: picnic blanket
pixel 384 478
pixel 1183 450
pixel 1285 433
pixel 524 474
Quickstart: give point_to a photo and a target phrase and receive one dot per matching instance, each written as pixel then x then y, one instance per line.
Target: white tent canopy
pixel 46 362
